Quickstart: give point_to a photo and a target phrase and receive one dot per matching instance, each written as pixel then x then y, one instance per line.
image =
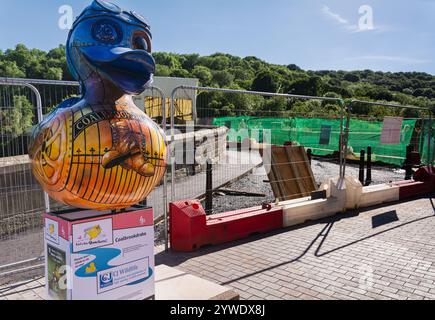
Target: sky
pixel 314 34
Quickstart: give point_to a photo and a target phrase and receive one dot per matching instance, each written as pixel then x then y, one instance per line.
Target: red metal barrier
pixel 187 225
pixel 423 184
pixel 191 229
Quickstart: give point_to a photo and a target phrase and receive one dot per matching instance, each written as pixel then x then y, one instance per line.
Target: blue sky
pixel 313 34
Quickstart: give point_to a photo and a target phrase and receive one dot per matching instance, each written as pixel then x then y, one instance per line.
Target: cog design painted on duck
pixel 100 151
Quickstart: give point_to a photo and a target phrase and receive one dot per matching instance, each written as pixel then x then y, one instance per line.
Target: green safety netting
pixel 308 131
pixel 427 157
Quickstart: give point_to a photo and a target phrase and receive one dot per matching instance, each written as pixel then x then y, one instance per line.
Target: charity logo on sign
pixel 93 232
pixel 52 231
pixel 123 275
pixel 92 235
pixel 106 280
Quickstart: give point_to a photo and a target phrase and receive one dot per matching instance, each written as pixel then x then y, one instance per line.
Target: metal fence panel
pixel 22 200
pixel 389 159
pixel 229 128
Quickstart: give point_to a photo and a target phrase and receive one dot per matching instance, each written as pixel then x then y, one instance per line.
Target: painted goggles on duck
pixel 101 9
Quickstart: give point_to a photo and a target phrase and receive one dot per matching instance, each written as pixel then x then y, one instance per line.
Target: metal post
pixel 309 155
pixel 408 162
pixel 194 156
pixel 346 138
pixel 369 166
pixel 40 118
pixel 172 147
pixel 194 111
pixel 362 165
pixel 429 142
pixel 209 188
pixel 340 142
pixel 165 176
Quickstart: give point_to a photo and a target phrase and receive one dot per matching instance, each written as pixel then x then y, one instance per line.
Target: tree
pixel 163 71
pixel 351 77
pixel 54 73
pixel 203 74
pixel 180 73
pixel 219 62
pixel 312 86
pixel 293 67
pixel 255 63
pixel 10 69
pixel 241 73
pixel 275 104
pixel 167 59
pixel 222 78
pixel 265 81
pixel 17 119
pixel 190 61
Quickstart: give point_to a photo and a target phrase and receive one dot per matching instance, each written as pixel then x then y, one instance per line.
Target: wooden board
pixel 290 173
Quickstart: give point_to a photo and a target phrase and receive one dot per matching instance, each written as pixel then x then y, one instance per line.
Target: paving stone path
pixel 378 253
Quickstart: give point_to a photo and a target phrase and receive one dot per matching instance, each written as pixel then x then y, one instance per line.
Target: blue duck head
pixel 113 44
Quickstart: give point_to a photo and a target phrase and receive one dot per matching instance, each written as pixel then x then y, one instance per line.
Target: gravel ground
pixel 322 170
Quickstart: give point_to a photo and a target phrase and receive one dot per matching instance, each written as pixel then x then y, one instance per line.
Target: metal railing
pixel 242 92
pixel 393 163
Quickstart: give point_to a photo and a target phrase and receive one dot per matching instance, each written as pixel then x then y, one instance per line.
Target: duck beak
pixel 131 70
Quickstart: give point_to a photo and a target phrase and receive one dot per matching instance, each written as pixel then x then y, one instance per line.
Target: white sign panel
pixel 122 275
pixel 391 130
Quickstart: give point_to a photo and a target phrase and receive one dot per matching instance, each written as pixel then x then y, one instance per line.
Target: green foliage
pixel 167 59
pixel 10 69
pixel 251 73
pixel 311 86
pixel 180 73
pixel 203 74
pixel 17 119
pixel 222 78
pixel 163 71
pixel 351 77
pixel 266 81
pixel 34 63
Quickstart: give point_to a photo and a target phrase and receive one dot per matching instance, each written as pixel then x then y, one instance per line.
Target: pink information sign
pixel 391 130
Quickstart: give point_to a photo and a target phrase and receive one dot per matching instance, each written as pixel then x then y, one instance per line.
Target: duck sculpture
pixel 100 151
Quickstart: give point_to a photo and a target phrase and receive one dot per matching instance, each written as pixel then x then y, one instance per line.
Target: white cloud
pixel 334 16
pixel 346 25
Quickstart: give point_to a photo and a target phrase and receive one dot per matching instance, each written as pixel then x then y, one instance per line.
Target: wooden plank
pixel 290 176
pixel 294 166
pixel 300 159
pixel 276 177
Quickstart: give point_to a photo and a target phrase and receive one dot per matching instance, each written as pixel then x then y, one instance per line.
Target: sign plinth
pixel 91 255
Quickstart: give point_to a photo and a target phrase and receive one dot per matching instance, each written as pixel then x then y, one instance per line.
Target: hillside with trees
pixel 251 73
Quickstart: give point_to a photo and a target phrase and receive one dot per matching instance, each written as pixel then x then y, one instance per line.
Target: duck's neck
pixel 102 92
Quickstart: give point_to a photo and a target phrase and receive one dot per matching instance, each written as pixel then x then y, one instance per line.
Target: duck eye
pixel 140 43
pixel 107 32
